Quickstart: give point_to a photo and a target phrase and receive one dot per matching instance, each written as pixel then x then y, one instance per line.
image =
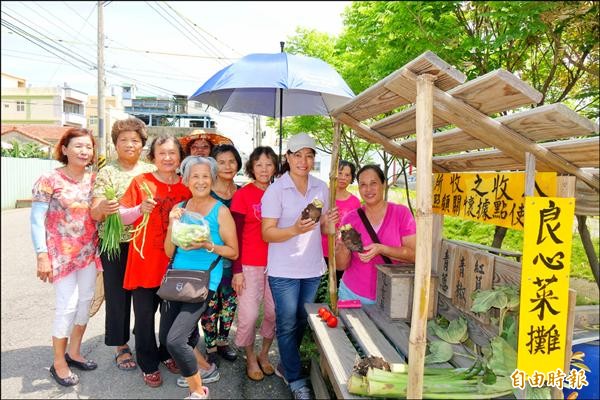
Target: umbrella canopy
pixel 254 84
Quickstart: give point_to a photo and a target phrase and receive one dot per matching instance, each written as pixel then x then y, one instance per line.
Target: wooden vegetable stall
pixel 479 149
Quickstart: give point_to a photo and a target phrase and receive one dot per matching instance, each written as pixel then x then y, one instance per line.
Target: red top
pixel 148 272
pixel 253 249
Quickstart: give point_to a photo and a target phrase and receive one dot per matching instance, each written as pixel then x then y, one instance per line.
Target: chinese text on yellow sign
pixel 493 198
pixel 545 283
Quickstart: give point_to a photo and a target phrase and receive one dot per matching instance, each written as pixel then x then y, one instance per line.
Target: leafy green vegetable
pixel 503 360
pixel 484 300
pixel 456 332
pixel 184 235
pixel 440 352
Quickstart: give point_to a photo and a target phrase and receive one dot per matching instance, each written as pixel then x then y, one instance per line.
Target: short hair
pixel 373 167
pixel 66 139
pixel 224 148
pixel 129 124
pixel 162 139
pixel 190 161
pixel 255 155
pixel 344 163
pixel 188 146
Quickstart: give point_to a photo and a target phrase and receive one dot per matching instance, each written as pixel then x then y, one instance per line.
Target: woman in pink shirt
pixel 395 227
pixel 249 278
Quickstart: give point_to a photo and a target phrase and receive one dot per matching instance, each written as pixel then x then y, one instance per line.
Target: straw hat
pixel 214 138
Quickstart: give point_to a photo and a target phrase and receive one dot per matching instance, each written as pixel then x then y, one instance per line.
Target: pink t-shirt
pixel 398 222
pixel 344 207
pixel 246 201
pixel 301 256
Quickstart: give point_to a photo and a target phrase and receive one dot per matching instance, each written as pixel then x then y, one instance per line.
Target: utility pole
pixel 101 136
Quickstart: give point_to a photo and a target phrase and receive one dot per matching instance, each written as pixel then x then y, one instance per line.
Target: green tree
pixel 24 150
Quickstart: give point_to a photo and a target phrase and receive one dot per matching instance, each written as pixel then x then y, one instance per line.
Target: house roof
pixel 27 135
pixel 49 133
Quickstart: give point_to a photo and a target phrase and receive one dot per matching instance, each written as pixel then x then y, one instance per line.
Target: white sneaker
pixel 196 395
pixel 208 376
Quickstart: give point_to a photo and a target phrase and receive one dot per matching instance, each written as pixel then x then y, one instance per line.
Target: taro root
pixel 351 238
pixel 361 366
pixel 313 210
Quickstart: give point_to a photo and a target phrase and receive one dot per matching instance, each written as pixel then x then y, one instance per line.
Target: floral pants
pixel 218 317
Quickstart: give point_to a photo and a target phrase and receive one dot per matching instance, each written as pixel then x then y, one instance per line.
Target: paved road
pixel 27 314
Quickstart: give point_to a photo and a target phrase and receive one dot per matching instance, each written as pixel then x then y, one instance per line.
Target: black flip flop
pixel 122 364
pixel 70 380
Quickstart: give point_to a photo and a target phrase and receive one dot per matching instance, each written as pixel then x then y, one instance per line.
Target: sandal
pixel 267 368
pixel 123 364
pixel 171 366
pixel 153 380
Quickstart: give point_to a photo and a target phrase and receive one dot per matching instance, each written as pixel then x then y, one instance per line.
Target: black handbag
pixel 372 232
pixel 186 286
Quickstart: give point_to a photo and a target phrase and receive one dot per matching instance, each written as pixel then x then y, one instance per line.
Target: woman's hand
pixel 175 213
pixel 147 205
pixel 237 283
pixel 44 269
pixel 332 216
pixel 371 250
pixel 304 225
pixel 108 207
pixel 201 244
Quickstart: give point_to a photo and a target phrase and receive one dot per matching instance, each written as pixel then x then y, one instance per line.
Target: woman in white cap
pixel 295 258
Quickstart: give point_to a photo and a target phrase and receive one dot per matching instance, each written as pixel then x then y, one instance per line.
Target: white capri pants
pixel 74 294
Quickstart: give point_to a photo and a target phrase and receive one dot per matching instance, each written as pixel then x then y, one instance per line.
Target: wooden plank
pixel 397 332
pixel 489 131
pixel 501 252
pixel 336 348
pixel 449 252
pixel 317 381
pixel 545 123
pixel 507 272
pixel 587 201
pixel 480 278
pixel 582 153
pixel 494 92
pixel 460 278
pixel 565 186
pixel 378 99
pixel 368 337
pixel 436 242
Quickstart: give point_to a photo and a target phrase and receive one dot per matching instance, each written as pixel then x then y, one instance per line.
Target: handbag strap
pixel 372 233
pixel 212 265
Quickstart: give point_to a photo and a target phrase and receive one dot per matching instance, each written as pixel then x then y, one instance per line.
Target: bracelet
pixel 213 248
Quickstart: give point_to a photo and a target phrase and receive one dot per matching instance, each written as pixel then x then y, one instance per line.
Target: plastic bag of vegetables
pixel 191 227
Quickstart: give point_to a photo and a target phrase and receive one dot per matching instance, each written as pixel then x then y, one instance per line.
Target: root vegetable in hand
pixel 351 238
pixel 313 210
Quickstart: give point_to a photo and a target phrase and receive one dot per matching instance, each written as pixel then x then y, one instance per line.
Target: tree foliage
pixel 24 150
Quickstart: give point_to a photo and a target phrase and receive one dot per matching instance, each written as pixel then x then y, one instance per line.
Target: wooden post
pixel 418 328
pixel 529 174
pixel 333 173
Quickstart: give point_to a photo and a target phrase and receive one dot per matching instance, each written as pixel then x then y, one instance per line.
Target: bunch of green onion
pixel 113 229
pixel 438 383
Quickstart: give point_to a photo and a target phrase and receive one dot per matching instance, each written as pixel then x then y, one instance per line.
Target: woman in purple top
pixel 395 228
pixel 295 258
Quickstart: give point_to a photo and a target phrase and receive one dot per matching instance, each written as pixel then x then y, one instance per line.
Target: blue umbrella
pixel 275 85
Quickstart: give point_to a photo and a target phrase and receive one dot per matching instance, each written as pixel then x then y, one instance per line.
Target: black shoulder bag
pixel 372 233
pixel 186 286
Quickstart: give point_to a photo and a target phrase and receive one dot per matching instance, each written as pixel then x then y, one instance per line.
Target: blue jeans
pixel 289 296
pixel 344 293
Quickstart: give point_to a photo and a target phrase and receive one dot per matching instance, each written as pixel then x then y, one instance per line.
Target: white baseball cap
pixel 300 141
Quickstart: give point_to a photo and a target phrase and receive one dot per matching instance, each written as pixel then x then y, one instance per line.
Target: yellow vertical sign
pixel 545 283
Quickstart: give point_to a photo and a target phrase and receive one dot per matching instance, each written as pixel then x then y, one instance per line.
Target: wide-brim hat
pixel 214 138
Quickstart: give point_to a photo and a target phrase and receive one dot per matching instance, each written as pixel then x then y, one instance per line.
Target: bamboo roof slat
pixel 587 201
pixel 494 92
pixel 378 99
pixel 548 122
pixel 583 153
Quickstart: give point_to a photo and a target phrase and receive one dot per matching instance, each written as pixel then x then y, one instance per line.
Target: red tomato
pixel 325 316
pixel 332 321
pixel 321 311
